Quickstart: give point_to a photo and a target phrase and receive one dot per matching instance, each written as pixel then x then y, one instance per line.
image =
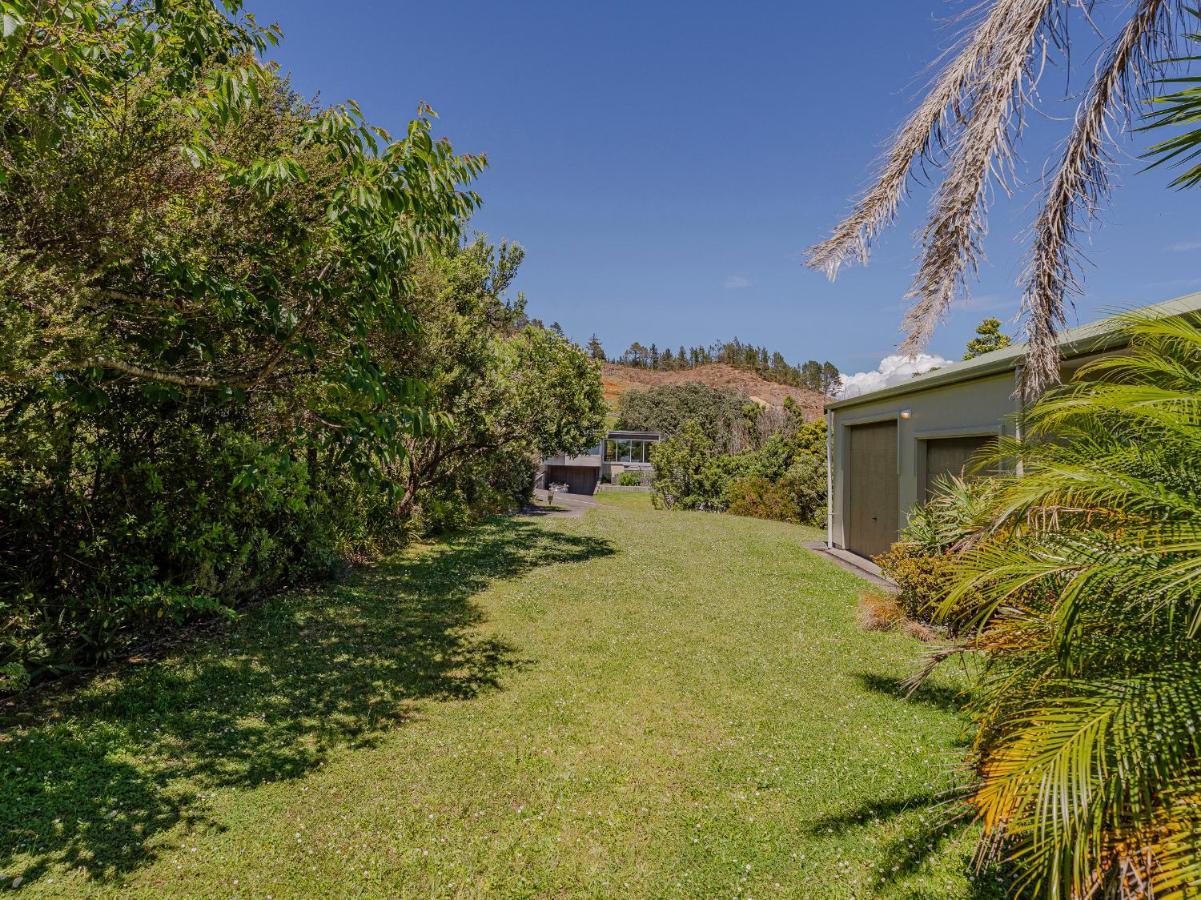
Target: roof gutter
pixel 1005 361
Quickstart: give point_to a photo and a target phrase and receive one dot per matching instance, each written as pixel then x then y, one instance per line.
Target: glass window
pixel 638 451
pixel 623 451
pixel 610 450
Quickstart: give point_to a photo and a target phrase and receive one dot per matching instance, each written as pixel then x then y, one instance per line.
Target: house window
pixel 627 451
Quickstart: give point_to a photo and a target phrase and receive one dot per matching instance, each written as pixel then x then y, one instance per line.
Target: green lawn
pixel 629 703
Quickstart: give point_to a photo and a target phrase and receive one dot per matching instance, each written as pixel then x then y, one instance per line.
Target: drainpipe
pixel 1019 414
pixel 829 480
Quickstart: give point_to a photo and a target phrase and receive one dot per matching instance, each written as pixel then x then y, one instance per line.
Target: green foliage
pixel 822 377
pixel 784 479
pixel 683 470
pixel 630 479
pixel 924 579
pixel 1086 608
pixel 505 391
pixel 989 337
pixel 761 498
pixel 924 562
pixel 958 510
pixel 805 483
pixel 668 409
pixel 595 349
pixel 211 382
pixel 1177 108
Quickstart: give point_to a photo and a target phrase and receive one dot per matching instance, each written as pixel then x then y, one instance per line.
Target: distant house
pixel 886 448
pixel 620 451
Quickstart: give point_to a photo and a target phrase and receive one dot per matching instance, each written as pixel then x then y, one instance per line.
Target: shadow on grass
pixel 90 778
pixel 933 821
pixel 928 693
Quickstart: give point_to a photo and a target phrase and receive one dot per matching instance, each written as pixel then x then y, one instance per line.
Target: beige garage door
pixel 950 456
pixel 872 487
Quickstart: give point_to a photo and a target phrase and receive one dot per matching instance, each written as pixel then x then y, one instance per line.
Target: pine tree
pixel 988 337
pixel 595 350
pixel 831 378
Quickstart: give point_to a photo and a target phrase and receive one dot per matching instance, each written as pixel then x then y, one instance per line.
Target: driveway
pixel 567 506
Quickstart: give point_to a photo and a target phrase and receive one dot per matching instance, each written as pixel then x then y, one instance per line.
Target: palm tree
pixel 969 124
pixel 1086 603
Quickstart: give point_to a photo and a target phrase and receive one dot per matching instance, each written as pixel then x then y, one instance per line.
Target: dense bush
pixel 784 479
pixel 630 479
pixel 924 561
pixel 669 408
pixel 218 316
pixel 761 498
pixel 924 579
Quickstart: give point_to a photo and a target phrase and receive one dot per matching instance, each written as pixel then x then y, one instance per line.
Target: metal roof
pixel 1094 337
pixel 627 435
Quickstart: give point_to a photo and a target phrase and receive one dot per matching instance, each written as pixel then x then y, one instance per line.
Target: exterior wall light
pixel 906 413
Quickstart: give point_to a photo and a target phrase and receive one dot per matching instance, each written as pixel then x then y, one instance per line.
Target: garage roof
pixel 1094 337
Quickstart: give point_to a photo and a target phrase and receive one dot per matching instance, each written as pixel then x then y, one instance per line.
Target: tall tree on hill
pixel 594 348
pixel 811 374
pixel 989 337
pixel 968 126
pixel 831 379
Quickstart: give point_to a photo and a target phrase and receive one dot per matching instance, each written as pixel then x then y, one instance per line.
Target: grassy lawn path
pixel 631 703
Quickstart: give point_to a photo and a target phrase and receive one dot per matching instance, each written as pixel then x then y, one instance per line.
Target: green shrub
pixel 667 409
pixel 630 479
pixel 924 561
pixel 924 579
pixel 756 496
pixel 958 510
pixel 805 482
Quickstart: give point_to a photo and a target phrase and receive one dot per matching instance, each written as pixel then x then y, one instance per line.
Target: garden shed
pixel 887 447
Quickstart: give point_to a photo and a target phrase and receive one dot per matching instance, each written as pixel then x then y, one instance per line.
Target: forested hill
pixel 821 377
pixel 619 378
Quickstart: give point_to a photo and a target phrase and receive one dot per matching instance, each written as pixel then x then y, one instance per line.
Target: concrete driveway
pixel 567 506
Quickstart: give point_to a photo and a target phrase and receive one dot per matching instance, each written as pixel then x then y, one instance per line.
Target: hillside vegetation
pixel 619 378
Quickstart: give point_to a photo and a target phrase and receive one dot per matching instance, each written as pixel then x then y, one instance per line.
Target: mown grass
pixel 629 703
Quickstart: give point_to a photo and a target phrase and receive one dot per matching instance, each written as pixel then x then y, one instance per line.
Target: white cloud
pixel 893 369
pixel 1184 247
pixel 737 282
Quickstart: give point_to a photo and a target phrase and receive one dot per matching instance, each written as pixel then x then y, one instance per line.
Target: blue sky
pixel 665 164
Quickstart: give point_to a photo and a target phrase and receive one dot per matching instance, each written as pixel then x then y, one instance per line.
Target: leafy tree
pixel 831 379
pixel 500 392
pixel 680 469
pixel 988 337
pixel 669 408
pixel 212 381
pixel 968 126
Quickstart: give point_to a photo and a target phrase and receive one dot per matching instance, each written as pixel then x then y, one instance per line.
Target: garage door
pixel 950 456
pixel 579 479
pixel 872 498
